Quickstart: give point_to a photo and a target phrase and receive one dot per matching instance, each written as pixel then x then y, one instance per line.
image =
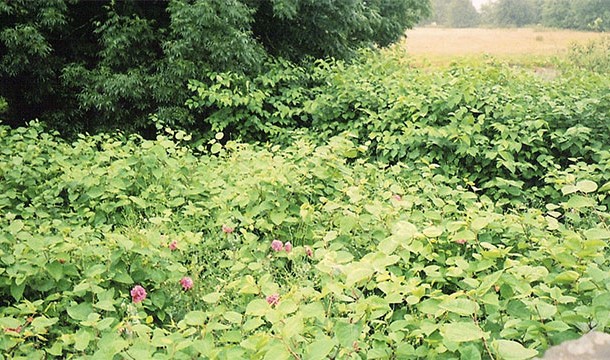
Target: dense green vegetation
pixel 379 211
pixel 291 195
pixel 89 66
pixel 502 129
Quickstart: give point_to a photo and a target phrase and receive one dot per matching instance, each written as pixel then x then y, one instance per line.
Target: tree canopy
pixel 567 14
pixel 81 65
pixel 453 13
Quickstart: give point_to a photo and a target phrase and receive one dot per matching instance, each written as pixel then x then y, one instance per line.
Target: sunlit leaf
pixel 462 332
pixel 512 350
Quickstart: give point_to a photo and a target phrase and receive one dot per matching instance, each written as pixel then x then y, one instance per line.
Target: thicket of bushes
pixel 489 124
pixel 353 210
pixel 120 246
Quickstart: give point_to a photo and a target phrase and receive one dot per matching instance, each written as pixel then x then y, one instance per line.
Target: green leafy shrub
pixel 385 261
pixel 499 129
pixel 593 56
pixel 260 108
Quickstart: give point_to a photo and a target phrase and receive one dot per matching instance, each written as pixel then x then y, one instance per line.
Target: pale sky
pixel 477 3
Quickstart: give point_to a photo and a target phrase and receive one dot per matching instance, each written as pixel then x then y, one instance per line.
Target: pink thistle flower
pixel 187 283
pixel 308 251
pixel 277 245
pixel 397 197
pixel 173 245
pixel 461 241
pixel 288 247
pixel 227 229
pixel 273 299
pixel 138 294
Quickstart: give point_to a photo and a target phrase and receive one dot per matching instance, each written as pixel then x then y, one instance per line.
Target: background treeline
pixel 85 66
pixel 568 14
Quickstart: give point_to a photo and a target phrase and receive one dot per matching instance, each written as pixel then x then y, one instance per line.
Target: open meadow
pixel 442 45
pixel 371 209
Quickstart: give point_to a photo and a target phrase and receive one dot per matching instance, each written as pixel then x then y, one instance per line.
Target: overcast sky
pixel 477 3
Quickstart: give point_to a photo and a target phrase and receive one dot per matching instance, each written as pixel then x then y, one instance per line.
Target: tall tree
pixel 462 14
pixel 453 13
pixel 512 12
pixel 82 64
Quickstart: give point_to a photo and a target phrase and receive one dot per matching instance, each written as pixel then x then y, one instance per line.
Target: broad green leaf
pixel 287 306
pixel 558 326
pixel 110 344
pixel 405 350
pixel 277 217
pixel 460 306
pixel 464 235
pixel 257 307
pixel 314 310
pixel 346 333
pixel 379 351
pixel 107 305
pixel 82 339
pixel 433 231
pixel 586 186
pixel 357 274
pixel 512 350
pixel 545 310
pixel 479 223
pixel 293 326
pixel 232 317
pixel 252 324
pixel 212 298
pixel 569 189
pixel 196 318
pixel 488 281
pixel 578 201
pixel 105 323
pixel 42 322
pixel 566 277
pixel 80 311
pixel 9 322
pixel 470 352
pixel 216 148
pixel 403 231
pixel 430 306
pixel 388 245
pixel 139 202
pixel 15 227
pixel 17 290
pixel 56 349
pixel 319 349
pixel 597 234
pixel 249 286
pixel 277 351
pixel 552 223
pixel 462 332
pixel 123 278
pixel 347 224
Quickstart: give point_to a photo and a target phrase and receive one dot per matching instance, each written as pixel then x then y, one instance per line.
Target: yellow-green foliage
pixel 385 261
pixel 398 213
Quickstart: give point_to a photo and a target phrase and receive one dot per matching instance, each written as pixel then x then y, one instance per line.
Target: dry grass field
pixel 440 45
